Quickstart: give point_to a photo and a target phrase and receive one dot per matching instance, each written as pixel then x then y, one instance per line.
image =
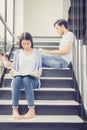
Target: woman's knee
pixel 16 82
pixel 30 81
pixel 27 79
pixel 18 78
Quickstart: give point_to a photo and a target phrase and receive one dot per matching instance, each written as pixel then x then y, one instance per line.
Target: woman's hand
pixel 37 74
pixel 10 74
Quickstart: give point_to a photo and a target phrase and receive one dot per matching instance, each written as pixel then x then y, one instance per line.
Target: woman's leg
pixel 16 87
pixel 30 83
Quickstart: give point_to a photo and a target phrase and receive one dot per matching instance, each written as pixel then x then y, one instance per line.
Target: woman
pixel 26 60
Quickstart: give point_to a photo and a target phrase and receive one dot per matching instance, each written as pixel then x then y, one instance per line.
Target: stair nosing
pixel 43 89
pixel 44 119
pixel 48 68
pixel 48 78
pixel 44 102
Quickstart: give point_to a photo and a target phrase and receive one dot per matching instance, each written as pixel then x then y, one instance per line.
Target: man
pixel 62 57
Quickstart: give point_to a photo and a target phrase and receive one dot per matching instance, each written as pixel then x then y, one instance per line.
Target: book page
pixel 24 74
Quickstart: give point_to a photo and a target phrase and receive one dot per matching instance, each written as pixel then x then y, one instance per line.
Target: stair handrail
pixel 5 24
pixel 12 35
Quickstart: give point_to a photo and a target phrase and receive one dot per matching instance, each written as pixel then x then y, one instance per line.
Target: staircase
pixel 58 102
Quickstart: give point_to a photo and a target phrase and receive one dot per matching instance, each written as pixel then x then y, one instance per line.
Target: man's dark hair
pixel 61 22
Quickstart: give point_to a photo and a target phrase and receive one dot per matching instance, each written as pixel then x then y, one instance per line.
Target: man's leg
pixel 53 61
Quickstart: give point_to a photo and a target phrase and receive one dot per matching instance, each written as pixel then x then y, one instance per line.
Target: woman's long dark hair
pixel 25 36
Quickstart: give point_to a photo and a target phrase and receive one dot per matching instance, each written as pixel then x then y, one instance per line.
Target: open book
pixel 24 74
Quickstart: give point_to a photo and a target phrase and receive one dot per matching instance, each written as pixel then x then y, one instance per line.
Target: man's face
pixel 59 29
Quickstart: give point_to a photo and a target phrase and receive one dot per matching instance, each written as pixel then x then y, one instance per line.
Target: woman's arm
pixel 38 64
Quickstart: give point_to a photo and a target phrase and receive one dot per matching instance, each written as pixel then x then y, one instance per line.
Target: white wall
pixel 40 15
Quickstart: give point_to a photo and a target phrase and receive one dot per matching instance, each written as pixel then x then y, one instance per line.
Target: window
pixel 2 8
pixel 10 14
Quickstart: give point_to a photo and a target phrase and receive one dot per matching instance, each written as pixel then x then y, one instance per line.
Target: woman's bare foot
pixel 16 114
pixel 30 113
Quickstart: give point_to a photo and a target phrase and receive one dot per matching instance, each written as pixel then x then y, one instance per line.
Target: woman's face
pixel 26 44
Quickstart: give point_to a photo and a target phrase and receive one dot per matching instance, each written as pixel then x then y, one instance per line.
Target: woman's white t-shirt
pixel 27 62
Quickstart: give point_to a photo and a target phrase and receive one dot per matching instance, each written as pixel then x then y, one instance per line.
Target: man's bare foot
pixel 16 114
pixel 30 114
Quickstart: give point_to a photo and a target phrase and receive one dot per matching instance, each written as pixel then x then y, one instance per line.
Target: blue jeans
pixel 26 82
pixel 54 61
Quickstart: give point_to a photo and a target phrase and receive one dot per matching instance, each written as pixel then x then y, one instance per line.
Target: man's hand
pixel 41 50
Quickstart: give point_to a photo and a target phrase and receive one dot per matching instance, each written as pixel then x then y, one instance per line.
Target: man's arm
pixel 63 51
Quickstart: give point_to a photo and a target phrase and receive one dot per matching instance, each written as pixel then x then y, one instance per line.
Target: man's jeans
pixel 26 82
pixel 54 61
